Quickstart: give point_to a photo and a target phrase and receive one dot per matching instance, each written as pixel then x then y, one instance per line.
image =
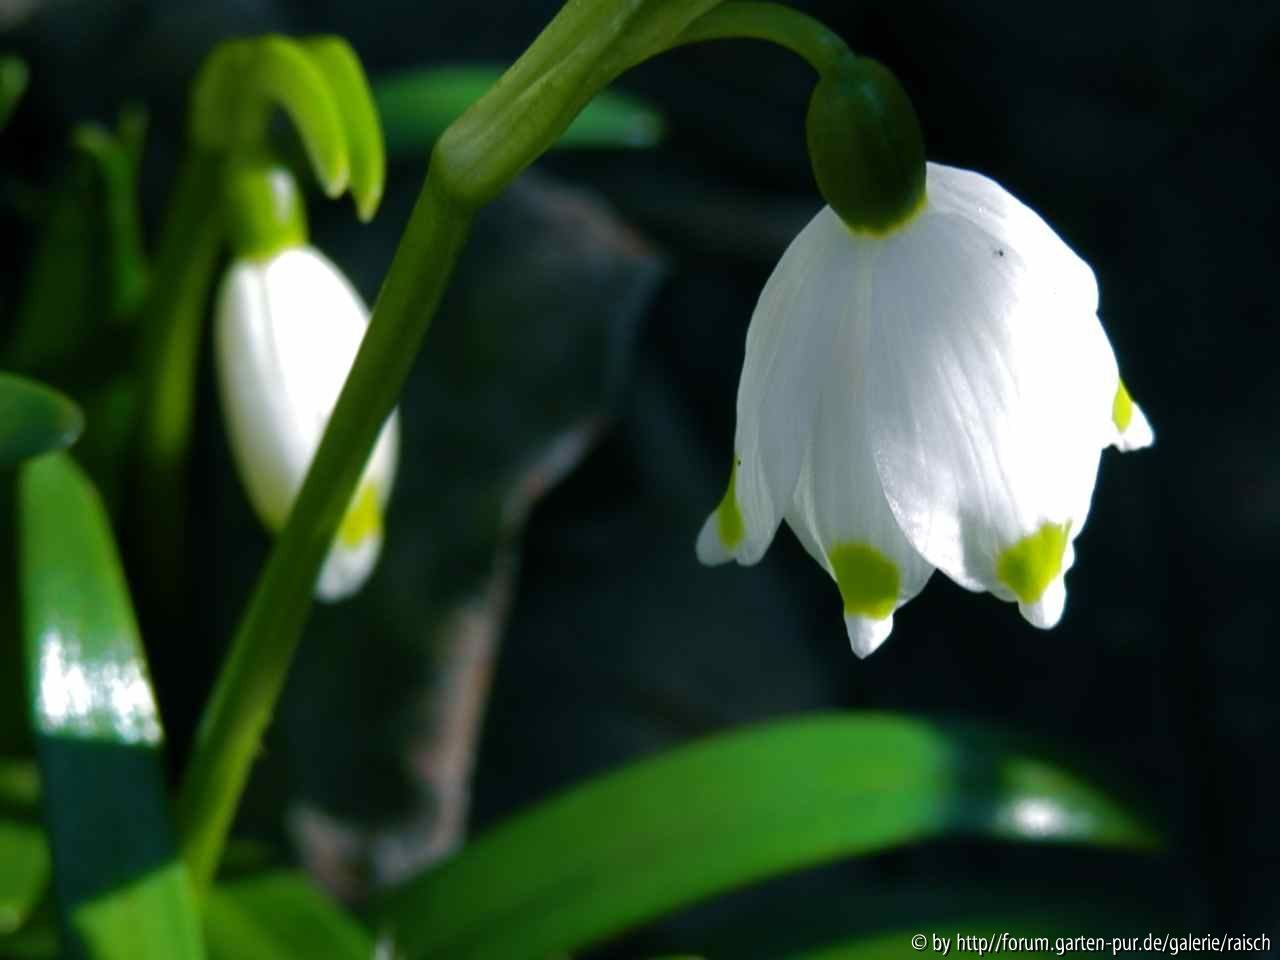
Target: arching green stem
pixel 748 20
pixel 581 50
pixel 264 643
pixel 587 45
pixel 244 81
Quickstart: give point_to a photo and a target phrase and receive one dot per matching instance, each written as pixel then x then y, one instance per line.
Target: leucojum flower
pixel 287 328
pixel 926 383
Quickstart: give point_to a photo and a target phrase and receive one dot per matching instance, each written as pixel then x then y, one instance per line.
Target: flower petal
pixel 839 511
pixel 288 329
pixel 269 452
pixel 990 384
pixel 1133 430
pixel 358 542
pixel 789 337
pixel 723 530
pixel 1011 224
pixel 355 547
pixel 318 321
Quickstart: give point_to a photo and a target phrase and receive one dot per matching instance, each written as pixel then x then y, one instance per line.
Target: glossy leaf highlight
pixel 121 891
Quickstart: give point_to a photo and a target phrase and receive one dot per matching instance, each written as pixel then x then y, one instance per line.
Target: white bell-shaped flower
pixel 936 395
pixel 288 326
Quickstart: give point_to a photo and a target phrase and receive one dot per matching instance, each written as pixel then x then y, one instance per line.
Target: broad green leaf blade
pixel 13 83
pixel 280 916
pixel 417 105
pixel 34 419
pixel 341 68
pixel 24 854
pixel 121 891
pixel 669 831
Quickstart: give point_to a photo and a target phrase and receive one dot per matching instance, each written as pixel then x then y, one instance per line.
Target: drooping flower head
pixel 288 326
pixel 926 382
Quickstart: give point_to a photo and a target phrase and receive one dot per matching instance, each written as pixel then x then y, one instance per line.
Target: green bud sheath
pixel 865 146
pixel 265 212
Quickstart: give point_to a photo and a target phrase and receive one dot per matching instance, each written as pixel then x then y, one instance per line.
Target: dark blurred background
pixel 1144 132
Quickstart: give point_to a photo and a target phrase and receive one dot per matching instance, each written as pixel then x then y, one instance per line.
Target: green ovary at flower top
pixel 926 383
pixel 288 325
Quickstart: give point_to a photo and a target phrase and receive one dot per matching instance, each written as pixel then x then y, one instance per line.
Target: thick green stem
pixel 589 43
pixel 264 644
pixel 173 318
pixel 586 46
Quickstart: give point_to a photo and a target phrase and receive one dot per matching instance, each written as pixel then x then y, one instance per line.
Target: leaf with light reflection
pixel 703 819
pixel 120 888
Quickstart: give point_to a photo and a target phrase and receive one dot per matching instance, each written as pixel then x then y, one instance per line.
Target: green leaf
pixel 34 419
pixel 115 162
pixel 341 68
pixel 418 105
pixel 89 269
pixel 283 73
pixel 87 282
pixel 13 83
pixel 24 854
pixel 243 81
pixel 700 820
pixel 121 891
pixel 280 916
